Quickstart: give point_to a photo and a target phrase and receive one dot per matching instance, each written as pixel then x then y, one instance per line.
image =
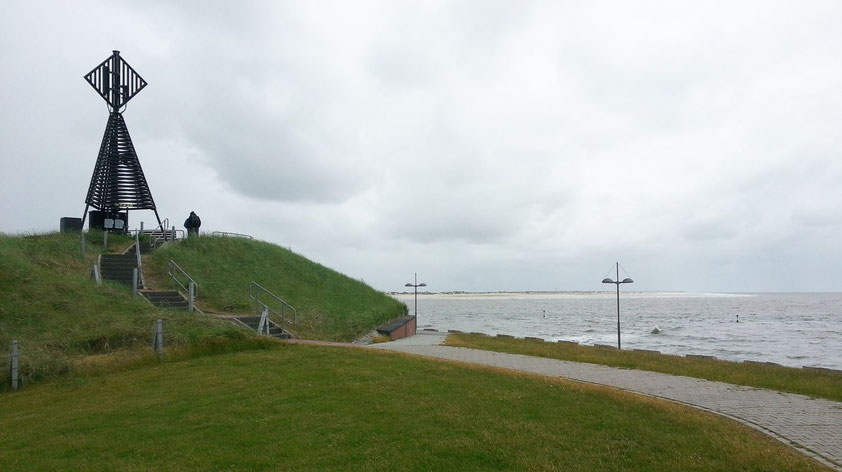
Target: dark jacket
pixel 193 221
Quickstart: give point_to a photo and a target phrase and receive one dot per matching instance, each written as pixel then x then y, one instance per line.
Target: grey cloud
pixel 489 145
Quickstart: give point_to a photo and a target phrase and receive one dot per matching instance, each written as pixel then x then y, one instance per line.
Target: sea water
pixel 794 329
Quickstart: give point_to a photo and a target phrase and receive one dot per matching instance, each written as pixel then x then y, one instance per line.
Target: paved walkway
pixel 813 426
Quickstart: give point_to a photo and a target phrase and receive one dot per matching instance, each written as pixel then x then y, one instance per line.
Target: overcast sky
pixel 486 145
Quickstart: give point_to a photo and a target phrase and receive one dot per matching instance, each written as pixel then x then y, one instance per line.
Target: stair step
pixel 167 295
pixel 107 276
pixel 117 274
pixel 168 299
pixel 252 322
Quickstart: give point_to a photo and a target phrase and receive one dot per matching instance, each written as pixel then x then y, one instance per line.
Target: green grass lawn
pixel 786 379
pixel 320 408
pixel 330 305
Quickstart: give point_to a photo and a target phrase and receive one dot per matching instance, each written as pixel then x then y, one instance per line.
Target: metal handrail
pixel 226 233
pixel 166 233
pixel 255 295
pixel 163 226
pixel 162 232
pixel 139 260
pixel 173 275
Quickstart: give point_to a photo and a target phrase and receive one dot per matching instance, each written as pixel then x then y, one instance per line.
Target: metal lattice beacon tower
pixel 117 184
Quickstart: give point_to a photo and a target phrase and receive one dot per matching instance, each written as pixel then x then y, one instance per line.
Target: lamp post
pixel 617 283
pixel 415 286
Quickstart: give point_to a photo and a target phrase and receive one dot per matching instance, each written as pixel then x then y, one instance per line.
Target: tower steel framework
pixel 117 184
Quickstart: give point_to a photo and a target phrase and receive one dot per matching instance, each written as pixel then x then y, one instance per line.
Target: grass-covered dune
pixel 61 318
pixel 329 305
pixel 64 321
pixel 305 408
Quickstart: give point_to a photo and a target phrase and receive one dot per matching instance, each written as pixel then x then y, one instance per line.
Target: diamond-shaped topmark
pixel 115 81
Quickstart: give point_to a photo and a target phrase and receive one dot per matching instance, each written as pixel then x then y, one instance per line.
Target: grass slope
pixel 786 379
pixel 325 408
pixel 330 306
pixel 49 304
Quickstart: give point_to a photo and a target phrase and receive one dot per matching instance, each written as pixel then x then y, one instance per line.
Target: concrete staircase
pixel 119 268
pixel 252 322
pixel 166 299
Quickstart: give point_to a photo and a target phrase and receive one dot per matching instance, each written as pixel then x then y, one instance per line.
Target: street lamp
pixel 618 282
pixel 415 286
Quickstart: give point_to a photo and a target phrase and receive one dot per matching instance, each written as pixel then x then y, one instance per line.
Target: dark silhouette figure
pixel 192 223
